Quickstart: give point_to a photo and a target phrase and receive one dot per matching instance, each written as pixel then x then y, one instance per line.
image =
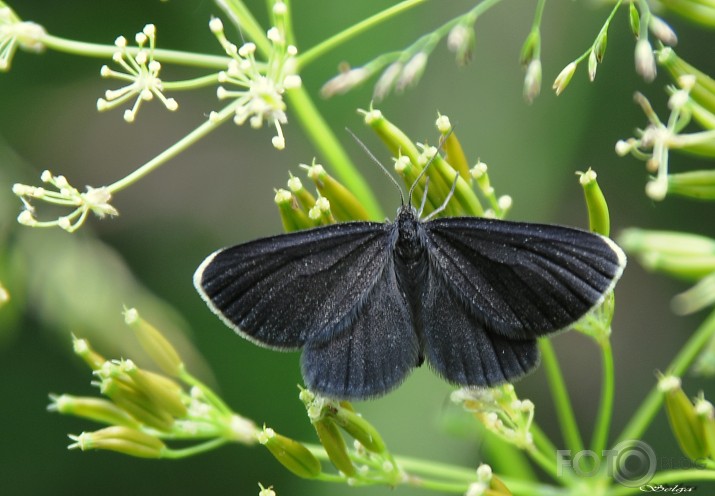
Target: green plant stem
pixel 194 450
pixel 106 51
pixel 336 40
pixel 542 441
pixel 212 397
pixel 605 411
pixel 242 17
pixel 175 149
pixel 337 159
pixel 667 477
pixel 564 410
pixel 548 464
pixel 190 84
pixel 651 404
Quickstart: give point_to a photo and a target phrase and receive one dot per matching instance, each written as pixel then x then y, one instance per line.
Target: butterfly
pixel 367 301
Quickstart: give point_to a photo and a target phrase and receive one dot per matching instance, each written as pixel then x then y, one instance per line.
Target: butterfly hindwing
pixel 285 290
pixel 460 349
pixel 374 350
pixel 522 280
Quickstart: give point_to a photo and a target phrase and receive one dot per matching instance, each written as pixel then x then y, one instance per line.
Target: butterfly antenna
pixel 440 147
pixel 446 201
pixel 374 159
pixel 424 198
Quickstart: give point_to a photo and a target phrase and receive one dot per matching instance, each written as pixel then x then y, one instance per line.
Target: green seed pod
pixel 334 444
pixel 83 350
pixel 96 409
pixel 686 426
pixel 634 20
pixel 343 204
pixel 290 453
pixel 359 428
pixel 598 216
pixel 165 393
pixel 293 217
pixel 396 141
pixel 154 343
pixel 122 440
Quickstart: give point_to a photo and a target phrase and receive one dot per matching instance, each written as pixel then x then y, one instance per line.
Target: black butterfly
pixel 368 301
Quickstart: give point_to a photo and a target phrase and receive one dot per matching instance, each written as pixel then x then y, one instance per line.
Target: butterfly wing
pixel 373 354
pixel 494 286
pixel 460 349
pixel 522 280
pixel 283 291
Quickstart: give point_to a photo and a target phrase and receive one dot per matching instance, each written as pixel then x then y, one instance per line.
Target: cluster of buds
pixel 500 411
pixel 448 177
pixel 14 33
pixel 368 461
pixel 94 200
pixel 686 256
pixel 261 85
pixel 140 71
pixel 691 100
pixel 301 209
pixel 693 424
pixel 487 484
pixel 449 183
pixel 402 69
pixel 143 409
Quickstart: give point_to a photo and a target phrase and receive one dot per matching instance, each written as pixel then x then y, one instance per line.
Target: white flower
pixel 259 86
pixel 141 72
pixel 94 200
pixel 15 33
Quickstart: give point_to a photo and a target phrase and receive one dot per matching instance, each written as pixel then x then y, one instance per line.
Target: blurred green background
pixel 220 192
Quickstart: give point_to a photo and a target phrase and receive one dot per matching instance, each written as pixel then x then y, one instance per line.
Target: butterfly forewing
pixel 522 280
pixel 372 352
pixel 285 290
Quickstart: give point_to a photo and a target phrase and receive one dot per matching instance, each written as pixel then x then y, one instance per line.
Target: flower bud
pixel 645 60
pixel 454 153
pixel 696 298
pixel 394 138
pixel 304 197
pixel 598 217
pixel 386 81
pixel 463 193
pixel 165 393
pixel 290 453
pixel 634 20
pixel 136 404
pixel 695 184
pixel 701 90
pixel 564 78
pixel 663 31
pixel 334 444
pixel 686 426
pixel 592 66
pixel 343 204
pixel 96 409
pixel 360 429
pixel 154 343
pixel 293 217
pixel 85 352
pixel 688 256
pixel 122 440
pixel 706 413
pixel 599 48
pixel 532 80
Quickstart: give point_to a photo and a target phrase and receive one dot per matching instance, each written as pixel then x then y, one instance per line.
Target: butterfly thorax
pixel 409 246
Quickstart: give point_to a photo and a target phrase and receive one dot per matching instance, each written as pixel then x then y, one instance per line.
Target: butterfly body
pixel 368 301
